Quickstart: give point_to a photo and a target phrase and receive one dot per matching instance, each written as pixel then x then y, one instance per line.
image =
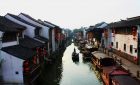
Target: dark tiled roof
pixel 7 29
pixel 32 18
pixel 90 28
pixel 132 18
pixel 19 51
pixel 42 38
pixel 125 23
pixel 52 24
pixel 125 80
pixel 39 20
pixel 22 20
pixel 98 24
pixel 10 24
pixel 30 43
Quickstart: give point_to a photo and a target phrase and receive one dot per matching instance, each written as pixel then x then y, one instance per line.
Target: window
pixel 116 44
pixel 9 37
pixel 135 50
pixel 16 72
pixel 111 43
pixel 37 31
pixel 131 48
pixel 124 47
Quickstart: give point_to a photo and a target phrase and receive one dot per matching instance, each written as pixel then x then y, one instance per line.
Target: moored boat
pixel 75 56
pixel 87 55
pixel 101 60
pixel 124 80
pixel 91 48
pixel 117 76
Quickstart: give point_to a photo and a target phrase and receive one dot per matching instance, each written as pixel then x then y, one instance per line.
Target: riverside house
pixel 32 31
pixel 123 37
pixel 58 36
pixel 44 31
pixel 20 57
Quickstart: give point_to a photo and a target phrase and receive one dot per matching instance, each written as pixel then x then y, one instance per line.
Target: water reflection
pixel 69 72
pixel 76 62
pixel 81 74
pixel 96 72
pixel 51 74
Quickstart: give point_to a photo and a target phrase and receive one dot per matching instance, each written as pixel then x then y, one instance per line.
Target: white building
pixel 30 31
pixel 123 37
pixel 44 31
pixel 15 50
pixel 53 27
pixel 11 32
pixel 33 31
pixel 12 65
pixel 9 38
pixel 14 68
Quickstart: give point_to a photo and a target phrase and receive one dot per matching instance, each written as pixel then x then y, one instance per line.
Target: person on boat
pixel 74 50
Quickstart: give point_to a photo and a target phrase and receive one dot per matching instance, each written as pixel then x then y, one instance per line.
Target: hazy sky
pixel 73 13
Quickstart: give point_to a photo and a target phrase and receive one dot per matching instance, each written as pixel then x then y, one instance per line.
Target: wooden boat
pixel 91 48
pixel 75 56
pixel 124 80
pixel 87 55
pixel 117 76
pixel 101 60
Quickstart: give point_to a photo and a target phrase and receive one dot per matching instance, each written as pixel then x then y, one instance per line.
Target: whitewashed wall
pixel 105 41
pixel 108 40
pixel 53 41
pixel 10 66
pixel 30 29
pixel 1 34
pixel 138 26
pixel 6 44
pixel 125 39
pixel 44 30
pixel 53 37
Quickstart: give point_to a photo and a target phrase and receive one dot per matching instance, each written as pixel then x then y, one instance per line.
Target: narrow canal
pixel 67 72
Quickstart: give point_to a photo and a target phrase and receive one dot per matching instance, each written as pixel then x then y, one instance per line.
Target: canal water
pixel 67 72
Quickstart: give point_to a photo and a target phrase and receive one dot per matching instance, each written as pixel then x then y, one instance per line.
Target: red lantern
pixel 113 31
pixel 110 46
pixel 135 58
pixel 44 51
pixel 37 50
pixel 26 63
pixel 27 69
pixel 134 32
pixel 35 60
pixel 41 52
pixel 26 66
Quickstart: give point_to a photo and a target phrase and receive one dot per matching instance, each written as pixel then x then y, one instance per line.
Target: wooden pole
pixel 138 73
